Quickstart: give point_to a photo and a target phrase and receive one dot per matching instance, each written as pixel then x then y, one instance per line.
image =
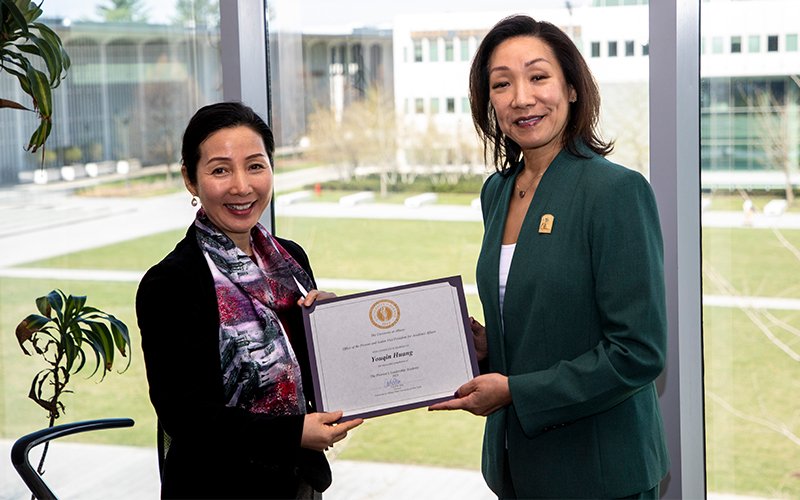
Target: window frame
pixel 674 162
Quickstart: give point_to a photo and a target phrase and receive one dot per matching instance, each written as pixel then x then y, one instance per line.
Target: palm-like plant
pixel 60 333
pixel 24 45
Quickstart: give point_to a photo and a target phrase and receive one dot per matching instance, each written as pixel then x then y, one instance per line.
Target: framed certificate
pixel 391 349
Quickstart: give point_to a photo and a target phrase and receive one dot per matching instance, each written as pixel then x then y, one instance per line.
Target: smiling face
pixel 529 94
pixel 234 181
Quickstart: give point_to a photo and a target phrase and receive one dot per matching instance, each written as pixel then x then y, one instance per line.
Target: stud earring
pixel 195 201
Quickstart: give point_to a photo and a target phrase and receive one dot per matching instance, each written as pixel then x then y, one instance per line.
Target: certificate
pixel 390 350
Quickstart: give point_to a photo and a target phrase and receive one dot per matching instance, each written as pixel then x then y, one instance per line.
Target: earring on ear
pixel 574 99
pixel 195 200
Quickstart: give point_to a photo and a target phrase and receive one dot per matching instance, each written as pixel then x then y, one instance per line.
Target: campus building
pixel 749 90
pixel 127 91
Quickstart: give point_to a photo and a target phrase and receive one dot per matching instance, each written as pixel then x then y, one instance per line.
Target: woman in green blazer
pixel 570 276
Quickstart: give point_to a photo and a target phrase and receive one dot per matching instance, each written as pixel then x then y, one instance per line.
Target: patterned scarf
pixel 259 369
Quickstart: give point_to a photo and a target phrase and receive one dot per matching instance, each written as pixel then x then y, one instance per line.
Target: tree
pixel 772 121
pixel 365 134
pixel 121 11
pixel 163 120
pixel 197 12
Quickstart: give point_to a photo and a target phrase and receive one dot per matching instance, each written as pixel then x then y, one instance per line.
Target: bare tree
pixel 365 134
pixel 773 121
pixel 162 104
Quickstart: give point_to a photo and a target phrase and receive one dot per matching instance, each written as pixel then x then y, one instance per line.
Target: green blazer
pixel 582 334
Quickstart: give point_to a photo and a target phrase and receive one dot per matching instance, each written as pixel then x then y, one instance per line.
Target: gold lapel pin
pixel 546 225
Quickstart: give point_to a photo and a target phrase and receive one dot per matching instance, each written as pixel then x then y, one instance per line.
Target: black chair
pixel 23 445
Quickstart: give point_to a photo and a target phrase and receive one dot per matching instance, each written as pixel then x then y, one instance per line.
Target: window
pixel 434 105
pixel 314 76
pixel 464 49
pixel 791 43
pixel 120 112
pixel 612 49
pixel 753 43
pixel 448 50
pixel 716 45
pixel 629 48
pixel 433 50
pixel 750 352
pixel 772 43
pixel 417 50
pixel 451 104
pixel 736 44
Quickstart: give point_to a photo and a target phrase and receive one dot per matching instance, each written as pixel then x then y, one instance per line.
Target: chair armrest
pixel 23 445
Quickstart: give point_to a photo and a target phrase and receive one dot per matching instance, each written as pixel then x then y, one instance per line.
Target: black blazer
pixel 216 451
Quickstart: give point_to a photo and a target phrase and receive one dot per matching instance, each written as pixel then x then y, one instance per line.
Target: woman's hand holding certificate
pixel 390 350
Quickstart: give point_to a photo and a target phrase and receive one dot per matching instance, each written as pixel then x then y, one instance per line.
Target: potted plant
pixel 26 45
pixel 64 333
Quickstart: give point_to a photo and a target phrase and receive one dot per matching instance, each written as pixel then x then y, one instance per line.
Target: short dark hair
pixel 214 117
pixel 584 114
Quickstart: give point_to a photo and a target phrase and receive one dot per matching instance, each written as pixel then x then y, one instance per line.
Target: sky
pixel 320 12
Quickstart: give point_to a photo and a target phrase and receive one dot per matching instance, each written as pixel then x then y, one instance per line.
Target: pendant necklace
pixel 521 192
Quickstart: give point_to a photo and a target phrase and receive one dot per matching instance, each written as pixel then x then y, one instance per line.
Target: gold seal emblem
pixel 384 314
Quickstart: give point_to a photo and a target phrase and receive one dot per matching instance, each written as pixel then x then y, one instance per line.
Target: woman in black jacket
pixel 222 330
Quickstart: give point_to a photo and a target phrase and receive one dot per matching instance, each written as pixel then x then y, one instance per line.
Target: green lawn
pixel 754 261
pixel 333 196
pixel 726 200
pixel 392 250
pixel 119 395
pixel 751 384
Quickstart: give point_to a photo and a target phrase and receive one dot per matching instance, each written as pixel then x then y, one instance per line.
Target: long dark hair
pixel 214 117
pixel 584 114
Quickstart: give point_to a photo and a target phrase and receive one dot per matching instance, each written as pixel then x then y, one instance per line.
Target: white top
pixel 506 253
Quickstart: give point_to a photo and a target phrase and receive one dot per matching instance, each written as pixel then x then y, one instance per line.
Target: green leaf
pixel 40 90
pixel 18 60
pixel 20 23
pixel 70 310
pixel 51 58
pixel 96 345
pixel 54 40
pixel 56 302
pixel 80 302
pixel 81 359
pixel 70 349
pixel 95 340
pixel 76 333
pixel 39 136
pixel 120 332
pixel 23 80
pixel 108 343
pixel 33 12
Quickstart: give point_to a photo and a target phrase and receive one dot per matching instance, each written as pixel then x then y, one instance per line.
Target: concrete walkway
pixel 100 472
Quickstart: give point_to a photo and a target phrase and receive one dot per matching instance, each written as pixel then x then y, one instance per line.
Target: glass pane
pixel 750 111
pixel 91 220
pixel 364 140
